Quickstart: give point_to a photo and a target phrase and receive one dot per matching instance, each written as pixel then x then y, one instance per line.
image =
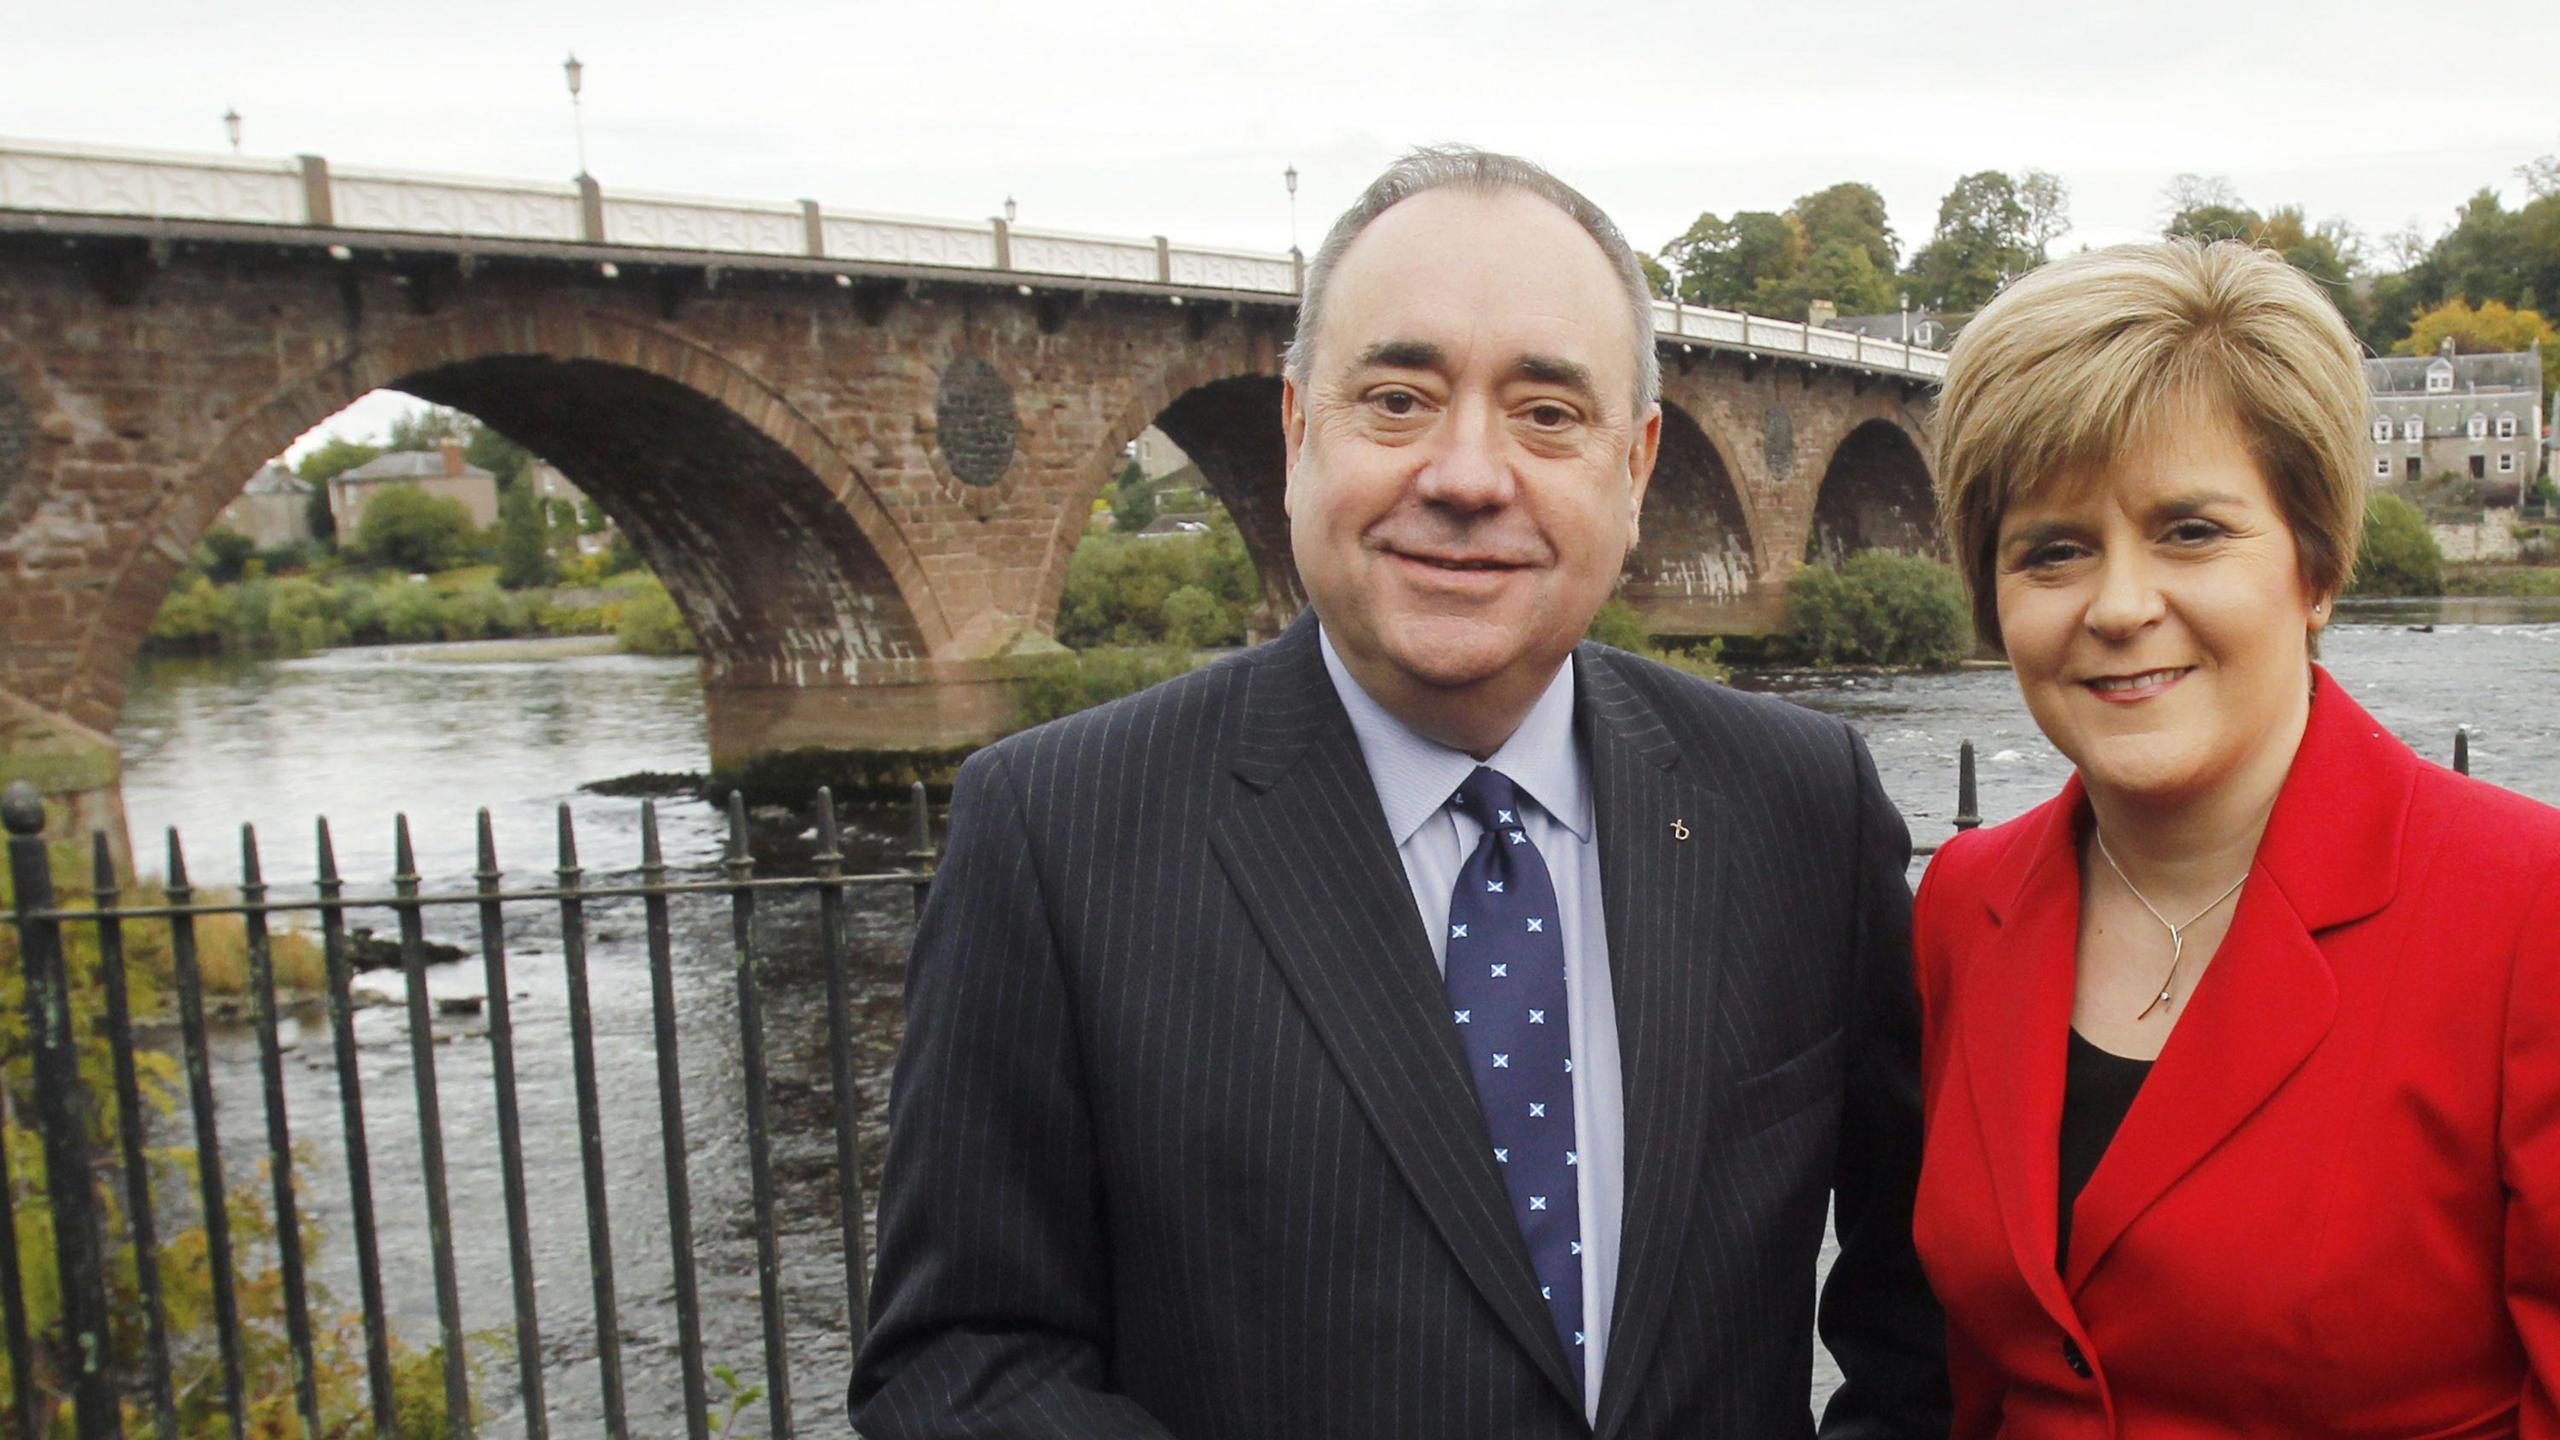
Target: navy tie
pixel 1505 974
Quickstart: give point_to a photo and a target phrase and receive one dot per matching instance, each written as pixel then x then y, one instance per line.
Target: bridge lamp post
pixel 1009 209
pixel 231 127
pixel 577 74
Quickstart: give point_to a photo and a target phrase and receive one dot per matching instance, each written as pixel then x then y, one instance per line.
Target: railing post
pixel 1297 270
pixel 813 230
pixel 920 855
pixel 1004 243
pixel 319 207
pixel 2462 750
pixel 590 210
pixel 1164 261
pixel 62 1115
pixel 1968 805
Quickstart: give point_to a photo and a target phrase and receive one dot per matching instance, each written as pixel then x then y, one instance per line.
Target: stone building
pixel 567 506
pixel 271 510
pixel 2461 415
pixel 441 471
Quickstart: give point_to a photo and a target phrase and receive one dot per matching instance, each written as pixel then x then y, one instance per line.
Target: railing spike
pixel 488 846
pixel 328 850
pixel 251 876
pixel 568 839
pixel 404 857
pixel 177 867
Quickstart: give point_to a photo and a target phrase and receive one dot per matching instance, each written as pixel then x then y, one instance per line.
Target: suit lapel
pixel 2016 1011
pixel 1307 848
pixel 1660 897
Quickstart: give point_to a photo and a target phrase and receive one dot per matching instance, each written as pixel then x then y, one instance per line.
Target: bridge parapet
pixel 308 193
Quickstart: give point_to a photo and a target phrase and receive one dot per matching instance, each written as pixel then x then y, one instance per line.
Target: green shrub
pixel 1878 609
pixel 1618 624
pixel 650 624
pixel 1079 682
pixel 524 542
pixel 408 529
pixel 2398 556
pixel 1193 617
pixel 1118 587
pixel 224 554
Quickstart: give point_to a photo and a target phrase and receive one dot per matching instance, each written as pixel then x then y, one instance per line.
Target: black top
pixel 2097 1089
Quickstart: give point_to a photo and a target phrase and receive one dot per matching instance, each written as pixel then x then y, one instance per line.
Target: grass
pixel 2502 580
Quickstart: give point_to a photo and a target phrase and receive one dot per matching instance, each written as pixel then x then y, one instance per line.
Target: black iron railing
pixel 98 1383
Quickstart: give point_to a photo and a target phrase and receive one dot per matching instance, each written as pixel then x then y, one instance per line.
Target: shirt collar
pixel 1416 776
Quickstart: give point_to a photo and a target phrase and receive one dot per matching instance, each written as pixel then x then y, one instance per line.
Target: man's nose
pixel 2128 596
pixel 1469 469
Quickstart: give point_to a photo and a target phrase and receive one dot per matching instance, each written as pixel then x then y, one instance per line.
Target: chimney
pixel 1821 312
pixel 452 457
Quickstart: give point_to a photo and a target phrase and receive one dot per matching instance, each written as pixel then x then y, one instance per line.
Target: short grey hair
pixel 1485 173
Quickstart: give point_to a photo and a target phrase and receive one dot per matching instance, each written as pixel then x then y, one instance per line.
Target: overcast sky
pixel 1141 117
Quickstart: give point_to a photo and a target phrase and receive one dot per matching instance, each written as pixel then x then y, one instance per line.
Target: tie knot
pixel 1489 798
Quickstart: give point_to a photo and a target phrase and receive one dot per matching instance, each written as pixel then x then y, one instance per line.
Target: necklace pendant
pixel 2156 1002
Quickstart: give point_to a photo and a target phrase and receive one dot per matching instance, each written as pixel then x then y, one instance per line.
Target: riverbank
pixel 304 613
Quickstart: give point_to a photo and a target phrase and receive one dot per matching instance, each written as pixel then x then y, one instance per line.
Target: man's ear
pixel 1293 439
pixel 1641 454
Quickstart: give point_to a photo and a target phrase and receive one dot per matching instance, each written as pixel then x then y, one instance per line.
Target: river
pixel 361 735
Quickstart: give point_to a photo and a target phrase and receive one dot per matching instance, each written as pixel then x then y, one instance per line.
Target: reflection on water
pixel 362 735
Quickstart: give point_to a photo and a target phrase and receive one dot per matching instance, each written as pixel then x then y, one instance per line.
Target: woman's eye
pixel 2049 555
pixel 2195 531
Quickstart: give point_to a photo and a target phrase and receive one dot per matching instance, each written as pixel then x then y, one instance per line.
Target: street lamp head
pixel 1291 175
pixel 231 126
pixel 1009 209
pixel 576 73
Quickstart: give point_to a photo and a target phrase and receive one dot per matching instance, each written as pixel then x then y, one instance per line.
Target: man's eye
pixel 1547 415
pixel 1396 402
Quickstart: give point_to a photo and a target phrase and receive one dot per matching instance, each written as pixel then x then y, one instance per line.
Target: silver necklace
pixel 2177 929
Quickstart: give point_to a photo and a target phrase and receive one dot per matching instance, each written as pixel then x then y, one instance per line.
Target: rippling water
pixel 362 735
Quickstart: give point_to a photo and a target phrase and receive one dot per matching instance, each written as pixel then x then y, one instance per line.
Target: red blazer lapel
pixel 2330 856
pixel 2015 1012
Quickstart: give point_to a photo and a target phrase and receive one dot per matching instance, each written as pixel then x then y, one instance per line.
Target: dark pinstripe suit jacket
pixel 1182 1143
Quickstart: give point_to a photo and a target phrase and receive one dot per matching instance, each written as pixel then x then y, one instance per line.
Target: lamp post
pixel 1009 209
pixel 231 127
pixel 577 74
pixel 1291 176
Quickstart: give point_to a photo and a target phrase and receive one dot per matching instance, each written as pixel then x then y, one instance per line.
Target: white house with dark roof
pixel 2449 414
pixel 271 509
pixel 441 471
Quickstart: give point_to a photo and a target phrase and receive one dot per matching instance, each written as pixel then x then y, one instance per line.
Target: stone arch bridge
pixel 859 450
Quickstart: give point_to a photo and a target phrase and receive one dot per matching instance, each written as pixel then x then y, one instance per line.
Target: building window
pixel 2506 427
pixel 2439 379
pixel 2477 427
pixel 2382 467
pixel 2413 429
pixel 2506 463
pixel 2381 431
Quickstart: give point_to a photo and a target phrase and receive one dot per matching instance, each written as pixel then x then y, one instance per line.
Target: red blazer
pixel 2334 1209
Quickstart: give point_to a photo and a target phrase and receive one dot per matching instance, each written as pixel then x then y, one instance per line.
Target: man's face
pixel 1466 462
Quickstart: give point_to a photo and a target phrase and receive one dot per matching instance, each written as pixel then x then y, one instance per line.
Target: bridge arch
pixel 796 573
pixel 1875 494
pixel 1696 562
pixel 1228 422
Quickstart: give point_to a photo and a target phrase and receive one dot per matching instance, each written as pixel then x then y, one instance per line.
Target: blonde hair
pixel 2085 358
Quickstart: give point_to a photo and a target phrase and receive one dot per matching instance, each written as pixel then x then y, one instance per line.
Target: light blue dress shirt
pixel 1415 778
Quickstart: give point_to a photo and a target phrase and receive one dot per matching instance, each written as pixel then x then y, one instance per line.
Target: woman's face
pixel 2157 617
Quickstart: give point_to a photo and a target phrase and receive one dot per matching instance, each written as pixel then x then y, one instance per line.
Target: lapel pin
pixel 1679 831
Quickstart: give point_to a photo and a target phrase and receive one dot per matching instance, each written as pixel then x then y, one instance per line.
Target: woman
pixel 2243 1052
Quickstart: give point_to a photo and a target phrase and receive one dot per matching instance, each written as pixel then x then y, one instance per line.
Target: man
pixel 1420 1025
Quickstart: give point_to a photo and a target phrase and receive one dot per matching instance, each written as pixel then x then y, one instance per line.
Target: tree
pixel 328 460
pixel 1838 271
pixel 2189 191
pixel 426 429
pixel 1851 212
pixel 2398 556
pixel 495 453
pixel 1981 243
pixel 224 554
pixel 524 542
pixel 1722 262
pixel 2213 222
pixel 408 529
pixel 1133 505
pixel 2047 202
pixel 1657 279
pixel 2494 328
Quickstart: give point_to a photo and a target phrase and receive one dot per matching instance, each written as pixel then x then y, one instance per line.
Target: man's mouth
pixel 1455 562
pixel 2131 687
